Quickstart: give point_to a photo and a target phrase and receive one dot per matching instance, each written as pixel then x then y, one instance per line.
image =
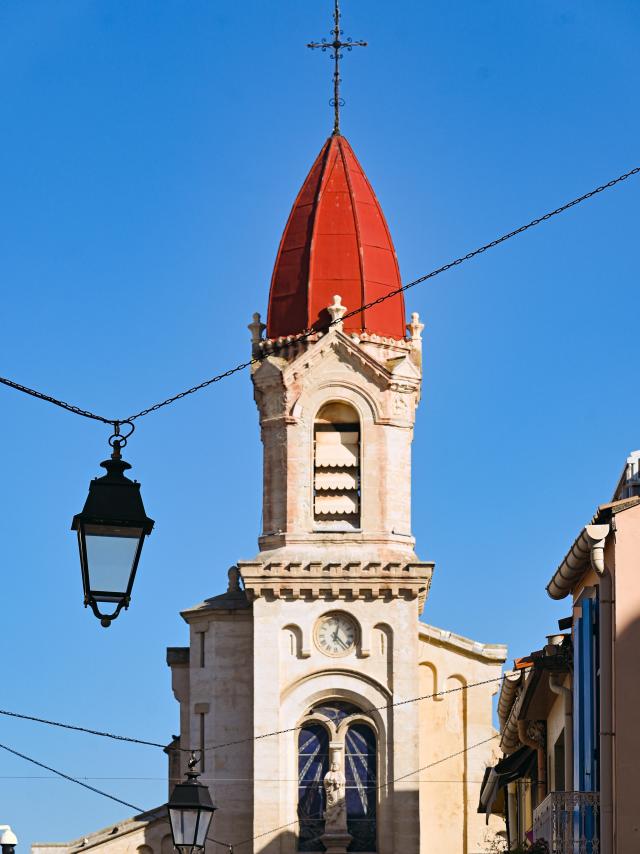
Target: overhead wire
pixel 383 785
pixel 210 781
pixel 364 711
pixel 71 779
pixel 281 343
pixel 219 746
pixel 231 846
pixel 402 777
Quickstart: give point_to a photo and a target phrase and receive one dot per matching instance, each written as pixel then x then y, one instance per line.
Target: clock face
pixel 336 634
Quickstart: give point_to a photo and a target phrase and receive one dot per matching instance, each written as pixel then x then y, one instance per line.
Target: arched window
pixel 361 790
pixel 353 747
pixel 313 764
pixel 336 484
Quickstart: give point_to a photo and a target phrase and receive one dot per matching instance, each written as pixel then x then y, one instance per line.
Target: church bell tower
pixel 300 683
pixel 336 588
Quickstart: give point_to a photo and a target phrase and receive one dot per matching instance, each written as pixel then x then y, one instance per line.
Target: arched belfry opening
pixel 336 467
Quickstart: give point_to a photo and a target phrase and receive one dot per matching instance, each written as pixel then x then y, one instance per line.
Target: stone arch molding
pixel 324 686
pixel 336 388
pixel 358 688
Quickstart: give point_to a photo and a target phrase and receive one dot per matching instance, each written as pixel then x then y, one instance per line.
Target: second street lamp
pixel 190 812
pixel 111 531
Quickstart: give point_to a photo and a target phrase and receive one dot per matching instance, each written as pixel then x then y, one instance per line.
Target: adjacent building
pixel 569 711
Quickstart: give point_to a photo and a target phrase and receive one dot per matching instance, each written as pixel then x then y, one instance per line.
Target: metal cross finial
pixel 336 46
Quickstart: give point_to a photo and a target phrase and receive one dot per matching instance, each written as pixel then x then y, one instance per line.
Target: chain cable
pixel 307 333
pixel 76 410
pixel 6 713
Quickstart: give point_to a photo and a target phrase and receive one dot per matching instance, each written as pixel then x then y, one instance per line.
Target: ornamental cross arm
pixel 337 45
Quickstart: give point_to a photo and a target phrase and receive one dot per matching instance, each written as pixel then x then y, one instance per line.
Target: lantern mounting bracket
pixel 118 439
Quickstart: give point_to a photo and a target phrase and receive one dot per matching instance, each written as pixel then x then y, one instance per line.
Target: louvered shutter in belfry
pixel 337 474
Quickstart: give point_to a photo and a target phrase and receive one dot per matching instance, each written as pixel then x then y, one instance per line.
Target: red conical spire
pixel 336 241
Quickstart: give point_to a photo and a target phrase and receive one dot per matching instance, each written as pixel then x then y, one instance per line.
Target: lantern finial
pixel 190 811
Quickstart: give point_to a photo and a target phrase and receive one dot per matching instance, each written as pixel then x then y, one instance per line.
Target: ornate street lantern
pixel 190 812
pixel 111 531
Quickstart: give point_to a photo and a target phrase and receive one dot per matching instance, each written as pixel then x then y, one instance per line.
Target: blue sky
pixel 151 152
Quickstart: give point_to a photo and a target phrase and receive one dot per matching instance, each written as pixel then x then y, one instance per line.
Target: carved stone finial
pixel 256 328
pixel 337 311
pixel 234 580
pixel 415 329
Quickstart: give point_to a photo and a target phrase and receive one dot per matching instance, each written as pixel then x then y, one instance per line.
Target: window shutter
pixel 337 474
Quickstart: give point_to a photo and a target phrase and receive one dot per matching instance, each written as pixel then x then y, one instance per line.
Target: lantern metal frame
pixel 191 796
pixel 114 502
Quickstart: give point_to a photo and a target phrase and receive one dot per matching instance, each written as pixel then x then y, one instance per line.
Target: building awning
pixel 511 768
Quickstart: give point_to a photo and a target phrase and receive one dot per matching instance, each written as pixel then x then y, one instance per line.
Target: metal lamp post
pixel 190 813
pixel 111 531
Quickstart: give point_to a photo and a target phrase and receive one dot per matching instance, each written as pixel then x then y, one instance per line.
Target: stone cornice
pixel 391 366
pixel 345 345
pixel 474 649
pixel 348 581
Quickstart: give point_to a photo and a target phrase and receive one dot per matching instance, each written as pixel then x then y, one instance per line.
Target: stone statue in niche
pixel 335 814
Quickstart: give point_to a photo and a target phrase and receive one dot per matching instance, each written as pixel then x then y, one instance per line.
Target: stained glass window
pixel 360 770
pixel 313 764
pixel 361 776
pixel 336 711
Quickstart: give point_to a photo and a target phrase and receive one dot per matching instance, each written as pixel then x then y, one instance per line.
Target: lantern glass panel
pixel 203 828
pixel 111 553
pixel 183 824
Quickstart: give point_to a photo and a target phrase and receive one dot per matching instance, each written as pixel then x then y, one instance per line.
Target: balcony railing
pixel 569 822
